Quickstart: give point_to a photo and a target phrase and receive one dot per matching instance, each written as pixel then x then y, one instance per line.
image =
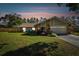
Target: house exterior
pixel 54 25
pixel 26 26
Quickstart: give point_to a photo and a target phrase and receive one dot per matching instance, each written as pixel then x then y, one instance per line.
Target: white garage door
pixel 59 29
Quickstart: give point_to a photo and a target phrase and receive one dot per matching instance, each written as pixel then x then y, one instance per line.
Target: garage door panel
pixel 59 30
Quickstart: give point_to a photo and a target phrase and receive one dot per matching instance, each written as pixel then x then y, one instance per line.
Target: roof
pixel 59 19
pixel 53 19
pixel 26 25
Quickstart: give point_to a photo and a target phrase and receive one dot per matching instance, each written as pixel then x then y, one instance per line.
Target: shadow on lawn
pixel 2 45
pixel 36 49
pixel 32 35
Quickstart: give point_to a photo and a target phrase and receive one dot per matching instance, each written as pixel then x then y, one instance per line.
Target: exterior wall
pixel 24 29
pixel 48 25
pixel 58 27
pixel 55 26
pixel 37 26
pixel 43 24
pixel 59 30
pixel 55 22
pixel 28 28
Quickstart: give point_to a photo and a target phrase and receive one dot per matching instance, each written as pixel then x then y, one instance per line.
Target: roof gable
pixel 27 25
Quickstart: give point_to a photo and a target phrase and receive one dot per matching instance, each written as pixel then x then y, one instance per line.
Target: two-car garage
pixel 59 29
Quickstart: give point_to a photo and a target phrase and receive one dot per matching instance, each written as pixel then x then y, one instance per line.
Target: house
pixel 55 25
pixel 26 26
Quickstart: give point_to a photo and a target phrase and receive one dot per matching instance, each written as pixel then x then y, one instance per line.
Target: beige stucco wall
pixel 54 25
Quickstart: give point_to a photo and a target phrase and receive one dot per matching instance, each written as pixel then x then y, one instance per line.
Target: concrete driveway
pixel 73 39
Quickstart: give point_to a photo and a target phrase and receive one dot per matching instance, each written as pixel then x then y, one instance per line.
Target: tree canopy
pixel 13 19
pixel 72 6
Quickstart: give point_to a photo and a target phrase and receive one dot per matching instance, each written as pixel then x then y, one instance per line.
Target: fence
pixel 10 30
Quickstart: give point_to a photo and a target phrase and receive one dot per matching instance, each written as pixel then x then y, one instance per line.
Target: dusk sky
pixel 35 10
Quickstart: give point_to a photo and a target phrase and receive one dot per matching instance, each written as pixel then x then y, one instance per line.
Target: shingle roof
pixel 51 19
pixel 26 25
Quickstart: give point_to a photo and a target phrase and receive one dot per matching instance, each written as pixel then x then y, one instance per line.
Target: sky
pixel 28 10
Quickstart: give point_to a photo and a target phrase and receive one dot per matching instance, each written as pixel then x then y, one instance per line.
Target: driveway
pixel 73 39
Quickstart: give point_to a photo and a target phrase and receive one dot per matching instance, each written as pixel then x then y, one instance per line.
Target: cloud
pixel 43 14
pixel 39 14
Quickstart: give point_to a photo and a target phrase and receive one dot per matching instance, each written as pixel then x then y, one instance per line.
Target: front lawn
pixel 76 33
pixel 14 41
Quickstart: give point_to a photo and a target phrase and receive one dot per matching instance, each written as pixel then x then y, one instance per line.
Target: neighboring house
pixel 55 25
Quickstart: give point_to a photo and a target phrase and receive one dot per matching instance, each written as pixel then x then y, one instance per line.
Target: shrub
pixel 52 35
pixel 30 32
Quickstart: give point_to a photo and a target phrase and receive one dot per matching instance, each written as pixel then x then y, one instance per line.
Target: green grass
pixel 76 33
pixel 13 41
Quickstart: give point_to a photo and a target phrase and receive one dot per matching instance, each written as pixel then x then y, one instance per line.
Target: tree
pixel 32 20
pixel 28 20
pixel 14 19
pixel 37 20
pixel 72 6
pixel 24 20
pixel 55 17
